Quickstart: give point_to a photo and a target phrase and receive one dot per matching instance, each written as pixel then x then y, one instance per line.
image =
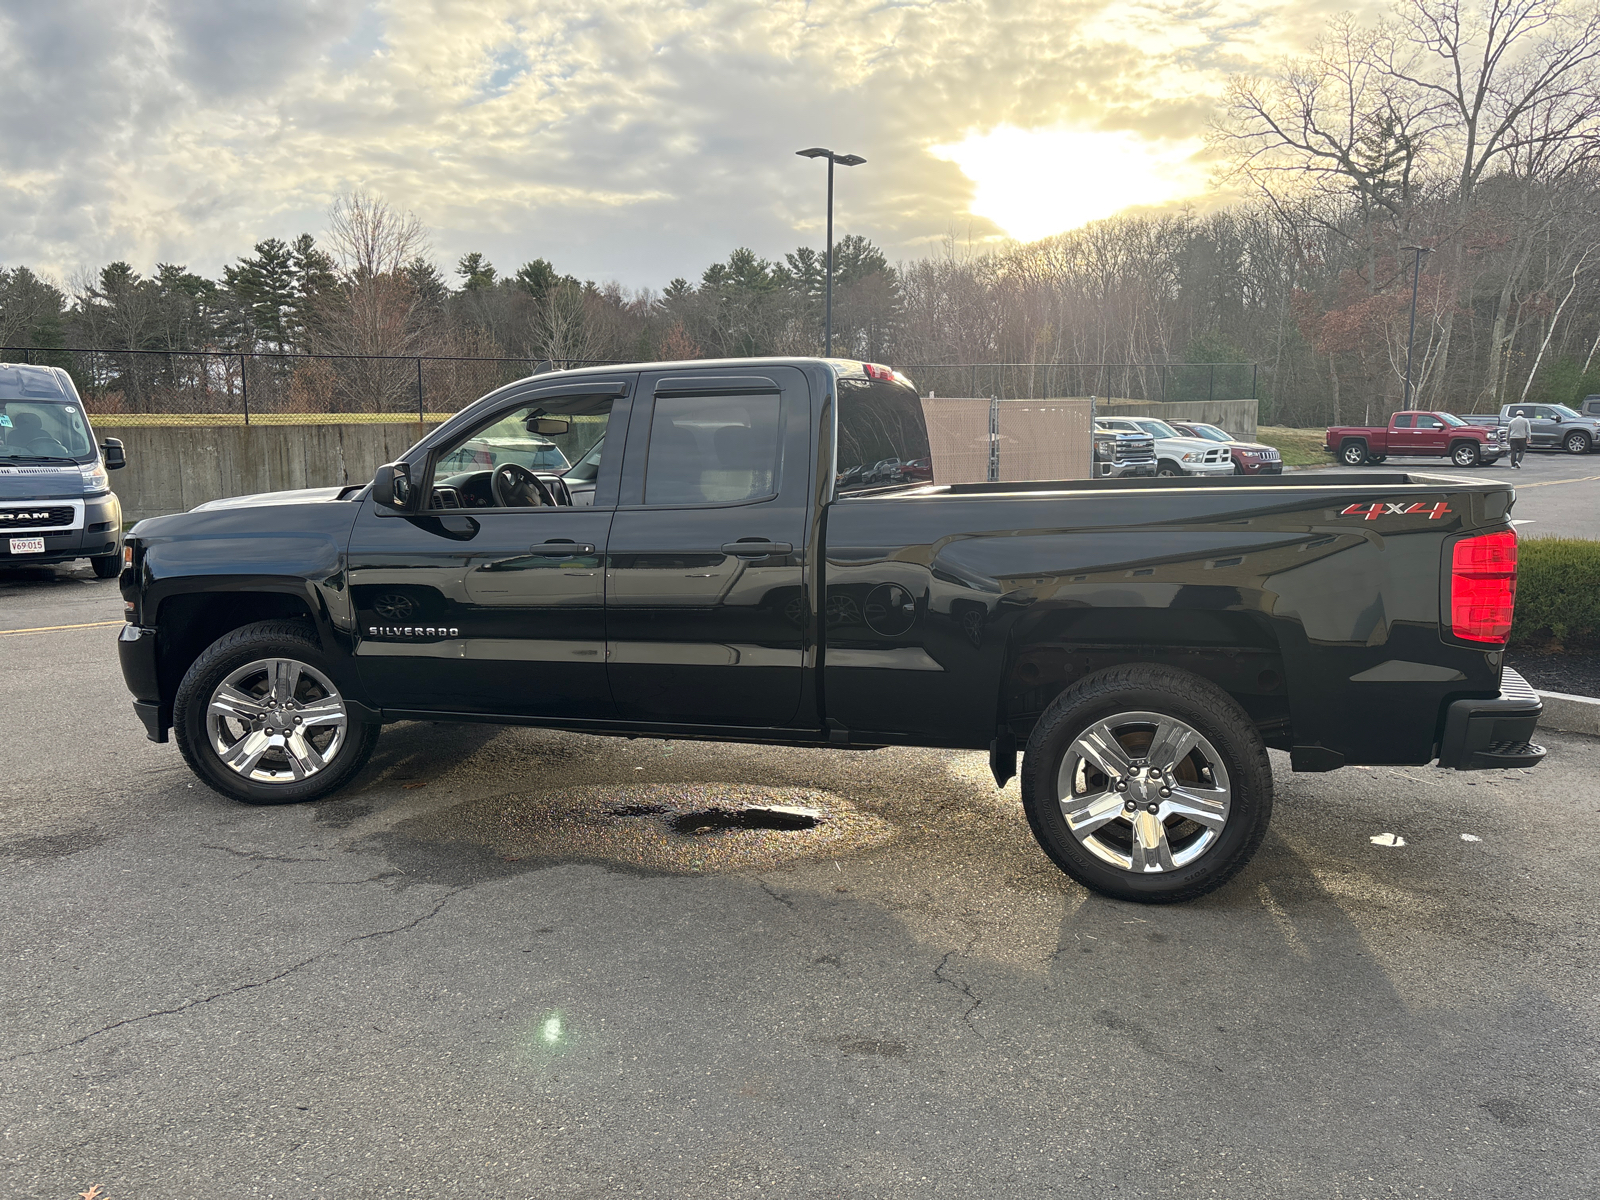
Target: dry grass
pixel 1299 447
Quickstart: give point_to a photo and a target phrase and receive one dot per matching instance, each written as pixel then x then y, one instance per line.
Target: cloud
pixel 627 139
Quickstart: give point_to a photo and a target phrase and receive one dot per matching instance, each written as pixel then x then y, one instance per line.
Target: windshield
pixel 44 429
pixel 508 441
pixel 1158 429
pixel 1564 410
pixel 1211 433
pixel 1451 419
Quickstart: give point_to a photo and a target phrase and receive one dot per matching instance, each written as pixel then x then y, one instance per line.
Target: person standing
pixel 1518 431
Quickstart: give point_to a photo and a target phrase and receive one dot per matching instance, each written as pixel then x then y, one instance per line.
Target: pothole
pixel 716 820
pixel 687 827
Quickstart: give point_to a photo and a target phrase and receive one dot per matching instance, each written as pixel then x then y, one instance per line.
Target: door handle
pixel 756 548
pixel 562 548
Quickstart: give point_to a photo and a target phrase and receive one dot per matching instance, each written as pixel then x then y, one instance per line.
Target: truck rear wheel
pixel 259 719
pixel 1353 454
pixel 1464 454
pixel 1147 784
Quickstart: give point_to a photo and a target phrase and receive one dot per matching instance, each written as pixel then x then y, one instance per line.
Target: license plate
pixel 27 545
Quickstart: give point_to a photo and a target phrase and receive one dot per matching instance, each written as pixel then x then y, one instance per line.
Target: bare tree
pixel 376 312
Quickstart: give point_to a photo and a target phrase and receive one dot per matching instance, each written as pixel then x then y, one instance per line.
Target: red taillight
pixel 879 371
pixel 1483 587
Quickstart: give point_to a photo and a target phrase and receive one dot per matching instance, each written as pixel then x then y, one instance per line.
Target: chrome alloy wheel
pixel 276 720
pixel 1144 792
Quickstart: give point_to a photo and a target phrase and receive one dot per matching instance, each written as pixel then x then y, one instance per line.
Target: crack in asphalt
pixel 964 988
pixel 778 896
pixel 257 856
pixel 243 987
pixel 378 878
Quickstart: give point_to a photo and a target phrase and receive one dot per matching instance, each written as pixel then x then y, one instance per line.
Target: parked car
pixel 56 502
pixel 1417 434
pixel 1589 406
pixel 1550 426
pixel 1249 458
pixel 535 453
pixel 1175 453
pixel 1119 455
pixel 1146 641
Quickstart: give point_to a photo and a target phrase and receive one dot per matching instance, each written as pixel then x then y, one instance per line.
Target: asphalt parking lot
pixel 488 969
pixel 1558 495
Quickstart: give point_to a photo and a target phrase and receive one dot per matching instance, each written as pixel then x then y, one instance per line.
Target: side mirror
pixel 548 426
pixel 116 457
pixel 391 486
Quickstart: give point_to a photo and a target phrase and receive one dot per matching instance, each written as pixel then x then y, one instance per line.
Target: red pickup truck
pixel 1418 435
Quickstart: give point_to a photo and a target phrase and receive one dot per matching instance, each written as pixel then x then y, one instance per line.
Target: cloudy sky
pixel 622 139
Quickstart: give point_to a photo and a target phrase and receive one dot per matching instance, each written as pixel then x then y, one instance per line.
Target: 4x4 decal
pixel 1391 508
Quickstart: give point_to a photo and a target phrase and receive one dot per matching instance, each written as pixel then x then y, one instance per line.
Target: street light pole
pixel 844 160
pixel 1416 275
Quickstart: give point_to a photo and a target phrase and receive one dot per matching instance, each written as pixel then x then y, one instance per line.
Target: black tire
pixel 1576 442
pixel 1379 458
pixel 1168 469
pixel 1223 730
pixel 1465 454
pixel 106 566
pixel 1353 454
pixel 247 647
pixel 1237 469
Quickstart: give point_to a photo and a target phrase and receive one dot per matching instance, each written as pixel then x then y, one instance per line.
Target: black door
pixel 491 599
pixel 706 612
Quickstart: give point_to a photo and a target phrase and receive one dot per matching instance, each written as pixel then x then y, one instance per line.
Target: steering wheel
pixel 515 486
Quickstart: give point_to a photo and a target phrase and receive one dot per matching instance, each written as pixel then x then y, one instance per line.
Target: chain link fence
pixel 202 387
pixel 1165 382
pixel 152 387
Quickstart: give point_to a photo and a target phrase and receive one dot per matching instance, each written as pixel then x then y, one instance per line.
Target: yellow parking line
pixel 1522 487
pixel 57 628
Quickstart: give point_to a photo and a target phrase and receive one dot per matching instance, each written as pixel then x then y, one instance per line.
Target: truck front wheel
pixel 1577 443
pixel 1147 784
pixel 259 718
pixel 1354 454
pixel 1464 454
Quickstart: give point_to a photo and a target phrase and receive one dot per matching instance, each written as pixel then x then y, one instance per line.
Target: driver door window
pixel 522 458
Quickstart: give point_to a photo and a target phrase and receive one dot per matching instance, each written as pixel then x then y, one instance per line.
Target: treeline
pixel 1466 140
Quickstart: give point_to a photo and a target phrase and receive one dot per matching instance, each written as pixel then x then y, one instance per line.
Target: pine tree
pixel 476 272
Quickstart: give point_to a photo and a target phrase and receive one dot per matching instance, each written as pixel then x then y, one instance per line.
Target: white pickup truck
pixel 1175 454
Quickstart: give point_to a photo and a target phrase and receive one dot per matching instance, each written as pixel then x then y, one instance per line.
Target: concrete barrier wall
pixel 1238 417
pixel 173 468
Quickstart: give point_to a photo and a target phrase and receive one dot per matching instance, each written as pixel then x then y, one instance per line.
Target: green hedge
pixel 1558 595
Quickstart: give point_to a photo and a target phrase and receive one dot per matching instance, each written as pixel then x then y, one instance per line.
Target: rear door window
pixel 713 450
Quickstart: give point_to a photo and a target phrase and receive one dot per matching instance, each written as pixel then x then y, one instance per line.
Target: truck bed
pixel 1331 581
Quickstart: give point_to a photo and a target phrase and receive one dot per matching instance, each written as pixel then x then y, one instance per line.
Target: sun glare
pixel 1035 182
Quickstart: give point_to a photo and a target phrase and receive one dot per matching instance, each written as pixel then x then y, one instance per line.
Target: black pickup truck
pixel 713 567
